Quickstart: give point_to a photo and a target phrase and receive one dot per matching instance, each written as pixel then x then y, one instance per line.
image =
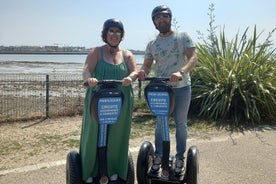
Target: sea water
pixel 46 63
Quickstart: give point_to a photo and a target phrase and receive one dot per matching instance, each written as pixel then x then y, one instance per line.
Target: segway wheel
pixel 130 170
pixel 73 168
pixel 144 162
pixel 192 166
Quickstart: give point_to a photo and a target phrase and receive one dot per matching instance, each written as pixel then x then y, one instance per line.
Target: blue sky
pixel 79 22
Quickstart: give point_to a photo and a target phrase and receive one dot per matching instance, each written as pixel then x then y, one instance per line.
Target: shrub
pixel 235 80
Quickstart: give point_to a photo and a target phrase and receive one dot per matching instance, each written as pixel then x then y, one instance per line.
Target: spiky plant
pixel 235 80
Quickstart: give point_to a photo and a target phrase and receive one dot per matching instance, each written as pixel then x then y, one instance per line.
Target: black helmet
pixel 161 9
pixel 112 23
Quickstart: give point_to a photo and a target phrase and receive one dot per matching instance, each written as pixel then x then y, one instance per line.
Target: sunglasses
pixel 112 32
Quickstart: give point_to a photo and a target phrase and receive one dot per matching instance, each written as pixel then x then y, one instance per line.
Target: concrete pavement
pixel 238 158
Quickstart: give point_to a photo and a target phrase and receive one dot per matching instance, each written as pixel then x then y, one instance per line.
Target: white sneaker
pixel 89 180
pixel 114 177
pixel 179 166
pixel 156 164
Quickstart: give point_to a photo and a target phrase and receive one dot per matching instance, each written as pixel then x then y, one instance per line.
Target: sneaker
pixel 156 164
pixel 179 166
pixel 89 180
pixel 114 177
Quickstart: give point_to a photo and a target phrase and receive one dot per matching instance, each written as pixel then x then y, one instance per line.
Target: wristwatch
pixel 182 72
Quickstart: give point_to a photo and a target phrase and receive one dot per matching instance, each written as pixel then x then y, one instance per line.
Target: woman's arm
pixel 90 65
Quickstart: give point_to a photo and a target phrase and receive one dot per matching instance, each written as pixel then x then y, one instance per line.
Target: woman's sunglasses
pixel 112 32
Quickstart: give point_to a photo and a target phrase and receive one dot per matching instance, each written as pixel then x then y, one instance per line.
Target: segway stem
pixel 166 141
pixel 102 150
pixel 166 155
pixel 102 161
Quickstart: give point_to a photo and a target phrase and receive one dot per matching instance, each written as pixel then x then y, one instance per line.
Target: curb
pixel 44 165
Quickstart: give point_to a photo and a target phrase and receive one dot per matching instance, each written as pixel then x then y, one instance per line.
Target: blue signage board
pixel 109 110
pixel 159 103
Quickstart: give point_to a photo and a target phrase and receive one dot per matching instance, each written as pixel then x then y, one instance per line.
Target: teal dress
pixel 118 134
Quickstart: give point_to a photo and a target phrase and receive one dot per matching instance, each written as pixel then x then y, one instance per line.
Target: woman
pixel 109 61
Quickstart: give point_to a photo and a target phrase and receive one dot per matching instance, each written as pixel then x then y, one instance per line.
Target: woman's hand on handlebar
pixel 126 81
pixel 92 82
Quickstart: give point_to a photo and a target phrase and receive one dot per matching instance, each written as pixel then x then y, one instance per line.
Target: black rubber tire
pixel 144 162
pixel 192 166
pixel 73 168
pixel 130 170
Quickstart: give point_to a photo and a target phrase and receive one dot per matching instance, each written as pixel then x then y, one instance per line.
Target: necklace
pixel 112 52
pixel 112 55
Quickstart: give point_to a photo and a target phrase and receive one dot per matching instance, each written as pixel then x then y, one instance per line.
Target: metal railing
pixel 34 96
pixel 27 96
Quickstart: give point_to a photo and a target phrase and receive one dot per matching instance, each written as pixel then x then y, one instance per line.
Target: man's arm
pixel 192 60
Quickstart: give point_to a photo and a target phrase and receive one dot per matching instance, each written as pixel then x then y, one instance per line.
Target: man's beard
pixel 164 28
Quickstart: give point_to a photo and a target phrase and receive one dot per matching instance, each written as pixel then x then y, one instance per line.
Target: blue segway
pixel 160 99
pixel 105 106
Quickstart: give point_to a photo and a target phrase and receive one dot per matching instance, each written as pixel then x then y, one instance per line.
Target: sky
pixel 79 22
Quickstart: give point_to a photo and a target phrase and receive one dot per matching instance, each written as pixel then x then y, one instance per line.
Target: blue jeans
pixel 180 113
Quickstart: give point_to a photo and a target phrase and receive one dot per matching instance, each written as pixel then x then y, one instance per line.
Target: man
pixel 174 54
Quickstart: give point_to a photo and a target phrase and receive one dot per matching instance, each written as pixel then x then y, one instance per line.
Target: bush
pixel 235 80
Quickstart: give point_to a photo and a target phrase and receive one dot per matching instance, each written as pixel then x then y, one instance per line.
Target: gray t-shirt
pixel 168 53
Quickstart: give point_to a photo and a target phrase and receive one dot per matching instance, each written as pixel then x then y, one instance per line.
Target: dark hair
pixel 112 23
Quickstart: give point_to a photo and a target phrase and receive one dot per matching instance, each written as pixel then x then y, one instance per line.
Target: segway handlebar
pixel 107 81
pixel 159 78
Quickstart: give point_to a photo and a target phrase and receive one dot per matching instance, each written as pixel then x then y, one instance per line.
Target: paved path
pixel 243 158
